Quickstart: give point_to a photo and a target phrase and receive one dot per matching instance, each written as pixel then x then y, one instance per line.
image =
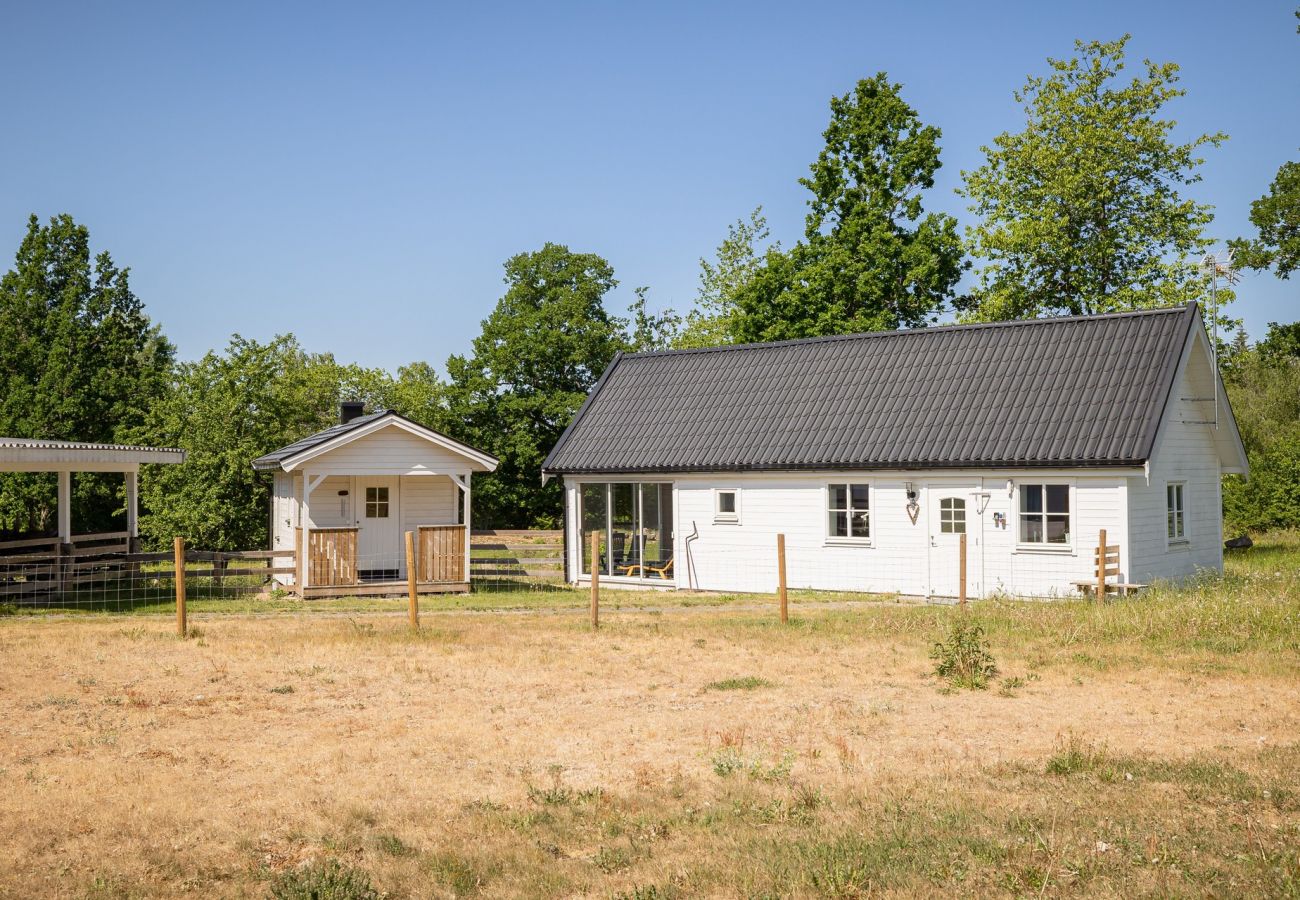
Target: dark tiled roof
pixel 1076 391
pixel 274 459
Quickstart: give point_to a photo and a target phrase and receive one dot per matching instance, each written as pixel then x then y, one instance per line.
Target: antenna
pixel 1218 265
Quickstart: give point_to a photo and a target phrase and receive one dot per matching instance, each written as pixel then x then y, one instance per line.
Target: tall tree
pixel 226 410
pixel 871 257
pixel 1082 211
pixel 79 360
pixel 713 320
pixel 539 353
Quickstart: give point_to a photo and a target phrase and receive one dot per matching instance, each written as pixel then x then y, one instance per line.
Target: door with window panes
pixel 952 513
pixel 379 545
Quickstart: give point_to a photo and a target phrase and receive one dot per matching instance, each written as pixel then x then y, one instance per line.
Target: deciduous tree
pixel 871 257
pixel 539 353
pixel 1083 211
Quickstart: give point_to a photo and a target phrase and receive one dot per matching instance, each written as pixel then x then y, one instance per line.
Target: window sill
pixel 849 542
pixel 731 521
pixel 1058 549
pixel 1180 544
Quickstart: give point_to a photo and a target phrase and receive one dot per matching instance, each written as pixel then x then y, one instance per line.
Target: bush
pixel 330 880
pixel 963 658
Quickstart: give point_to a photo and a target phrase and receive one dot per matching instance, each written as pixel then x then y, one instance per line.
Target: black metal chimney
pixel 349 410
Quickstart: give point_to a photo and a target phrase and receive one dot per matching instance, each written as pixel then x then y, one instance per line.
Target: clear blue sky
pixel 357 173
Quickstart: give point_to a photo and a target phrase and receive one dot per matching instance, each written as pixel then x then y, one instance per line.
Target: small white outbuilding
pixel 877 455
pixel 344 498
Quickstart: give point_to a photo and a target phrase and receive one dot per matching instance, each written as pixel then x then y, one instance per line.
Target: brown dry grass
pixel 520 755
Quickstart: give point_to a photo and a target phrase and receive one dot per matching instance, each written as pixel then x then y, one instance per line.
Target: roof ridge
pixel 954 326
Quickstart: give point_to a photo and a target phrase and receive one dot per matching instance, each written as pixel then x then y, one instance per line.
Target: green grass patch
pixel 743 683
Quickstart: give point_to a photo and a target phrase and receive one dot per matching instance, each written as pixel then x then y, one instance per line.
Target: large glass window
pixel 635 524
pixel 1045 514
pixel 849 508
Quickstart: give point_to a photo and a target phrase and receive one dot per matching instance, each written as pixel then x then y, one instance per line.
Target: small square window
pixel 726 506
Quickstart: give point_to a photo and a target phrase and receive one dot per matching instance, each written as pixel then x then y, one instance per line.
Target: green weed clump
pixel 963 658
pixel 328 880
pixel 747 683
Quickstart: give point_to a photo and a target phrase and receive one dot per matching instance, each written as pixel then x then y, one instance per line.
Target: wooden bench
pixel 1107 567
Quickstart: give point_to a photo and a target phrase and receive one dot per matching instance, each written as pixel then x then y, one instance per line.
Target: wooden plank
pixel 441 553
pixel 384 589
pixel 332 556
pixel 29 542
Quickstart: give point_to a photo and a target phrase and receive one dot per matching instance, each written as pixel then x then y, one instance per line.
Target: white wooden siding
pixel 1186 453
pixel 389 451
pixel 899 557
pixel 428 500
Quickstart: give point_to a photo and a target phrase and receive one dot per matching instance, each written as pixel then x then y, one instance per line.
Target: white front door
pixel 379 543
pixel 950 513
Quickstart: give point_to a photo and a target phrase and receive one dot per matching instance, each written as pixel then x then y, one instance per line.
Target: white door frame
pixel 373 550
pixel 969 490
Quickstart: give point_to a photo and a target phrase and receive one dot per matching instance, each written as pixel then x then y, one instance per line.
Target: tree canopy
pixel 539 353
pixel 1082 211
pixel 871 257
pixel 79 360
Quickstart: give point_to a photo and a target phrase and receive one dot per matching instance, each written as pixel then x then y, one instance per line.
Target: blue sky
pixel 357 174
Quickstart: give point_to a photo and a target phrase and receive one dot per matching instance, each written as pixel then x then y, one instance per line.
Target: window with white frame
pixel 1176 528
pixel 848 507
pixel 1045 514
pixel 726 506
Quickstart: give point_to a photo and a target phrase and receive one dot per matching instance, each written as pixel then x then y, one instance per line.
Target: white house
pixel 874 453
pixel 344 498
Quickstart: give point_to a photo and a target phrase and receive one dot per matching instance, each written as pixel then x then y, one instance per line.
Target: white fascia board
pixel 482 459
pixel 841 474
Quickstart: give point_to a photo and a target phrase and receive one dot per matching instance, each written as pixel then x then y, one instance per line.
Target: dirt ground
pixel 135 764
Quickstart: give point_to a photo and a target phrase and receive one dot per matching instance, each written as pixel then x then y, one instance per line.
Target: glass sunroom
pixel 635 524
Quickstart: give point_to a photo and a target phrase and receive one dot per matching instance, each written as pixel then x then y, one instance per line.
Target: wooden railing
pixel 517 554
pixel 440 553
pixel 331 557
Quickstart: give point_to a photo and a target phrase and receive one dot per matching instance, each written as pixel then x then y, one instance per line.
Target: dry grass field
pixel 1145 748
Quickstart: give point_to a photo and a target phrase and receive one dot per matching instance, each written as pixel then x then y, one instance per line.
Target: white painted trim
pixel 726 518
pixel 488 463
pixel 1044 547
pixel 833 541
pixel 1183 542
pixel 723 477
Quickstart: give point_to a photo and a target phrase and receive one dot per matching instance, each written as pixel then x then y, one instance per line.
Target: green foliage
pixel 713 322
pixel 79 360
pixel 1264 387
pixel 329 880
pixel 1276 215
pixel 539 353
pixel 229 408
pixel 1081 211
pixel 746 683
pixel 871 259
pixel 962 658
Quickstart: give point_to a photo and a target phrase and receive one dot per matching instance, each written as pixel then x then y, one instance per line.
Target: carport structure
pixel 66 457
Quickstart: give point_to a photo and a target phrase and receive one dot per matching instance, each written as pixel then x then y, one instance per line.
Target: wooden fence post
pixel 780 578
pixel 411 588
pixel 179 548
pixel 595 579
pixel 961 570
pixel 1101 567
